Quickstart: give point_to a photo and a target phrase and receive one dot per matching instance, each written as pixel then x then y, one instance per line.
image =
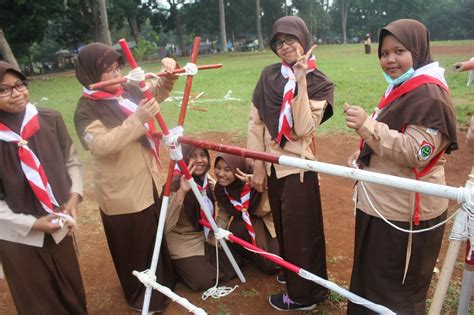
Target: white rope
pixel 218 292
pixel 463 228
pixel 135 76
pixel 189 69
pixel 399 228
pixel 171 141
pixel 149 280
pixel 222 234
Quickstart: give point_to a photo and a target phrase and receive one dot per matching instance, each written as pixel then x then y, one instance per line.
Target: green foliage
pixel 144 49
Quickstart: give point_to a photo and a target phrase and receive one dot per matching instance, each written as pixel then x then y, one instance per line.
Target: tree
pixel 222 26
pixel 179 28
pixel 6 51
pixel 259 25
pixel 104 23
pixel 343 6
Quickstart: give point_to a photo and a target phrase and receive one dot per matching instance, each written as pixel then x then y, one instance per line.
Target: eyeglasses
pixel 6 90
pixel 115 68
pixel 289 40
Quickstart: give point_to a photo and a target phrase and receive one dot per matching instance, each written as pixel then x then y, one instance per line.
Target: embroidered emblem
pixel 432 131
pixel 425 151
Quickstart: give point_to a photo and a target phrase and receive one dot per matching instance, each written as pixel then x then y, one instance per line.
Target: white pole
pixel 148 280
pixel 466 290
pixel 156 252
pixel 377 178
pixel 214 227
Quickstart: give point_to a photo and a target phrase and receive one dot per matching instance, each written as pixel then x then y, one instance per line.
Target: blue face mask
pixel 407 75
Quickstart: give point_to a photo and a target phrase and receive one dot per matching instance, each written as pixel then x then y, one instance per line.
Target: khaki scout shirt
pixel 306 117
pixel 396 154
pixel 125 172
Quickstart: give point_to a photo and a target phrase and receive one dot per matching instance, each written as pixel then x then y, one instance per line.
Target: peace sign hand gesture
pixel 301 65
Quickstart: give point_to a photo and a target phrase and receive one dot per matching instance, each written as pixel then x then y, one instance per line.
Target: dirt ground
pixel 103 291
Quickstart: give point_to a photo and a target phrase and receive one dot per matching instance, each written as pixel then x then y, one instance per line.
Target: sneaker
pixel 282 302
pixel 281 279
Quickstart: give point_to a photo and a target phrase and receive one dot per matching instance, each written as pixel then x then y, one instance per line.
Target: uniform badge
pixel 425 151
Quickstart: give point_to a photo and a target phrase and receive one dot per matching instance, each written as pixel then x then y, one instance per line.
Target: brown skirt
pixel 199 272
pixel 379 264
pixel 297 213
pixel 131 239
pixel 44 280
pixel 263 240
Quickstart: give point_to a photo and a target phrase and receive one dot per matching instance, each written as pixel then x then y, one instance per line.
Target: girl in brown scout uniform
pixel 290 100
pixel 114 128
pixel 193 258
pixel 242 209
pixel 407 136
pixel 39 173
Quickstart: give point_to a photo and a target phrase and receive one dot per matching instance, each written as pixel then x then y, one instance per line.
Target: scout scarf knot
pixel 242 206
pixel 207 202
pixel 285 120
pixel 128 107
pixel 30 164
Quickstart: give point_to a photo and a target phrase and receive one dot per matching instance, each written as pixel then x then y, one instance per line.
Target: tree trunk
pixel 104 23
pixel 344 11
pixel 259 25
pixel 222 26
pixel 6 51
pixel 95 17
pixel 132 22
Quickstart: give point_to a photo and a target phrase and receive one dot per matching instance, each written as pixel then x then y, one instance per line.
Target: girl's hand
pixel 355 116
pixel 183 181
pixel 246 178
pixel 44 224
pixel 259 178
pixel 71 207
pixel 147 109
pixel 168 65
pixel 301 65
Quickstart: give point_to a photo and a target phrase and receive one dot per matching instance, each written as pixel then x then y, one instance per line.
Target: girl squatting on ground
pixel 290 100
pixel 243 210
pixel 407 136
pixel 39 174
pixel 112 124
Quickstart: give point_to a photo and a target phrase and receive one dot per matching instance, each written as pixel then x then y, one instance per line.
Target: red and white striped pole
pixel 187 174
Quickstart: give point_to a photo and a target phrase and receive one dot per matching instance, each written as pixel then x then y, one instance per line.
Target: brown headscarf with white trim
pixel 235 188
pixel 268 93
pixel 92 61
pixel 428 105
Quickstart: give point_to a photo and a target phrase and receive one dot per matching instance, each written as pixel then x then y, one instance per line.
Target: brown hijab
pixel 428 105
pixel 51 144
pixel 235 188
pixel 190 204
pixel 92 61
pixel 268 93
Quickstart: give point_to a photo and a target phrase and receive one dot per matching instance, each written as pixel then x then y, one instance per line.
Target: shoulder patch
pixel 432 131
pixel 425 151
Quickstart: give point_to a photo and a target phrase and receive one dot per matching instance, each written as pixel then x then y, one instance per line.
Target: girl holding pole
pixel 40 181
pixel 193 258
pixel 112 124
pixel 407 136
pixel 242 209
pixel 291 99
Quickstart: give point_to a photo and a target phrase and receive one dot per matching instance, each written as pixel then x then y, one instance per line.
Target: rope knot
pixel 22 143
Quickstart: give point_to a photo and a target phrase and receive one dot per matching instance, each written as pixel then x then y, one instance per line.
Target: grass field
pixel 357 77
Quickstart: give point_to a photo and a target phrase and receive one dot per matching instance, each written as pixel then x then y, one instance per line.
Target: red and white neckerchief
pixel 242 206
pixel 429 74
pixel 285 121
pixel 128 107
pixel 207 201
pixel 30 164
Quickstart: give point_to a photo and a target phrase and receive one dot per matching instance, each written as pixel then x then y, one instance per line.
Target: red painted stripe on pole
pixel 259 251
pixel 102 84
pixel 189 82
pixel 264 156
